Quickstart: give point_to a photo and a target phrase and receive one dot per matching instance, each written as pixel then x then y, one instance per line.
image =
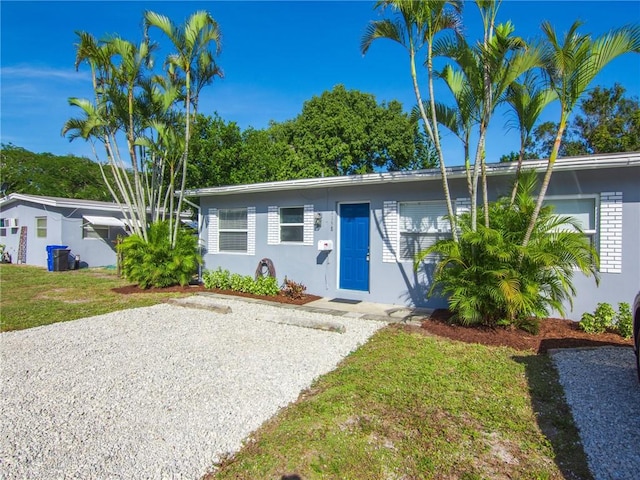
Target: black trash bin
pixel 60 260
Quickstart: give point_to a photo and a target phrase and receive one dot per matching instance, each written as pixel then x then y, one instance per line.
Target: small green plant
pixel 224 280
pixel 219 278
pixel 624 320
pixel 293 290
pixel 266 286
pixel 602 318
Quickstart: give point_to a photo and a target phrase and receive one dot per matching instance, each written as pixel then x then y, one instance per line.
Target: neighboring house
pixel 354 237
pixel 28 223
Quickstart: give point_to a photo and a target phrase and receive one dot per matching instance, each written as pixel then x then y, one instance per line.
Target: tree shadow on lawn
pixel 554 416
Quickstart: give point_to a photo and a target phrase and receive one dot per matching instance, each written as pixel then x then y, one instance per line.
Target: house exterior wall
pixel 64 227
pixel 394 281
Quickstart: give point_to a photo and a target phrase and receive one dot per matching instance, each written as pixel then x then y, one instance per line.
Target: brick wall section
pixel 611 232
pixel 273 225
pixel 251 230
pixel 212 244
pixel 390 223
pixel 308 225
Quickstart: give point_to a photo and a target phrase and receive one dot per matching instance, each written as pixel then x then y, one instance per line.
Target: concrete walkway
pixel 350 309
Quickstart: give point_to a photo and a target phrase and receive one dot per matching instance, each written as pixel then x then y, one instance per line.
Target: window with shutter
pixel 421 224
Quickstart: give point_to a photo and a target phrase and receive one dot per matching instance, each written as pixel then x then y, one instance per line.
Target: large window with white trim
pixel 291 224
pixel 233 230
pixel 421 224
pixel 583 210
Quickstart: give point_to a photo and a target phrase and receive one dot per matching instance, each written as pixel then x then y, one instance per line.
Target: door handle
pixel 367 257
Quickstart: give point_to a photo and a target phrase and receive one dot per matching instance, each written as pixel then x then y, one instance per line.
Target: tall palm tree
pixel 571 64
pixel 196 62
pixel 488 68
pixel 417 25
pixel 114 82
pixel 461 118
pixel 527 100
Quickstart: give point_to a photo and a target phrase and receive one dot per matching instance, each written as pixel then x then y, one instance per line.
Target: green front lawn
pixel 32 296
pixel 408 406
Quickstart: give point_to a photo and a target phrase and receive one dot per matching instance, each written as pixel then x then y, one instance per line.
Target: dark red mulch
pixel 554 333
pixel 280 298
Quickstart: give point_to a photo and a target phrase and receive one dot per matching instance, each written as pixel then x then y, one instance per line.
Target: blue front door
pixel 354 246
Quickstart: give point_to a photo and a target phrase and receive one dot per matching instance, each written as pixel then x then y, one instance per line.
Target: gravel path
pixel 155 392
pixel 601 387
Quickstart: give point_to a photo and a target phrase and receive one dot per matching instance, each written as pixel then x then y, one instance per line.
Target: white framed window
pixel 583 209
pixel 420 225
pixel 291 224
pixel 41 227
pixel 90 231
pixel 233 230
pixel 287 225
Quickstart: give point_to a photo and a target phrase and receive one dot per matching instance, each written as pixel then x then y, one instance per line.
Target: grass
pixel 403 406
pixel 32 296
pixel 408 406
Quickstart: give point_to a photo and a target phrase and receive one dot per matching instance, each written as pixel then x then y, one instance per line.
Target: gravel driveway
pixel 155 392
pixel 601 388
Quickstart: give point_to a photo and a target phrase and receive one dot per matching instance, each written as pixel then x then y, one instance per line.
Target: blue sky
pixel 275 55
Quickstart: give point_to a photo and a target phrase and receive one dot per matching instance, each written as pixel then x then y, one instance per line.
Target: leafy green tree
pixel 51 175
pixel 344 131
pixel 607 122
pixel 490 279
pixel 214 152
pixel 571 65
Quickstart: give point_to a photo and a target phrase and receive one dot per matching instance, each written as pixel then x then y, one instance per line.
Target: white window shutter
pixel 611 232
pixel 251 230
pixel 273 225
pixel 390 231
pixel 308 225
pixel 212 244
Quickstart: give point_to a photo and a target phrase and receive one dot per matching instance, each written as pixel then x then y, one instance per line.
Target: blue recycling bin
pixel 50 249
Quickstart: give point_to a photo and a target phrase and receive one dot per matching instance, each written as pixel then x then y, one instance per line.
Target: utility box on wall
pixel 325 245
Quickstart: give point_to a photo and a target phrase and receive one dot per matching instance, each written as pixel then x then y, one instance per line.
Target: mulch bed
pixel 554 333
pixel 280 298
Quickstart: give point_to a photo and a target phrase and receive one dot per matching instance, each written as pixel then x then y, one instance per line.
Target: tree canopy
pixel 340 132
pixel 50 175
pixel 607 122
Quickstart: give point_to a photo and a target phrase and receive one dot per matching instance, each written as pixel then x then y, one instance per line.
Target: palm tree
pixel 460 119
pixel 196 62
pixel 527 100
pixel 571 65
pixel 488 69
pixel 114 109
pixel 416 28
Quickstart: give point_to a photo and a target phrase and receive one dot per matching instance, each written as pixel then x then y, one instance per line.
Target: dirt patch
pixel 554 333
pixel 280 298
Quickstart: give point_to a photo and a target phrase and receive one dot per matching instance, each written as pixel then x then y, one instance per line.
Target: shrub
pixel 606 317
pixel 490 279
pixel 266 286
pixel 293 290
pixel 224 280
pixel 154 263
pixel 217 279
pixel 624 320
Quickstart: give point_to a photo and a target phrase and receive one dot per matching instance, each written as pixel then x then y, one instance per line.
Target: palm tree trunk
pixel 514 191
pixel 547 178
